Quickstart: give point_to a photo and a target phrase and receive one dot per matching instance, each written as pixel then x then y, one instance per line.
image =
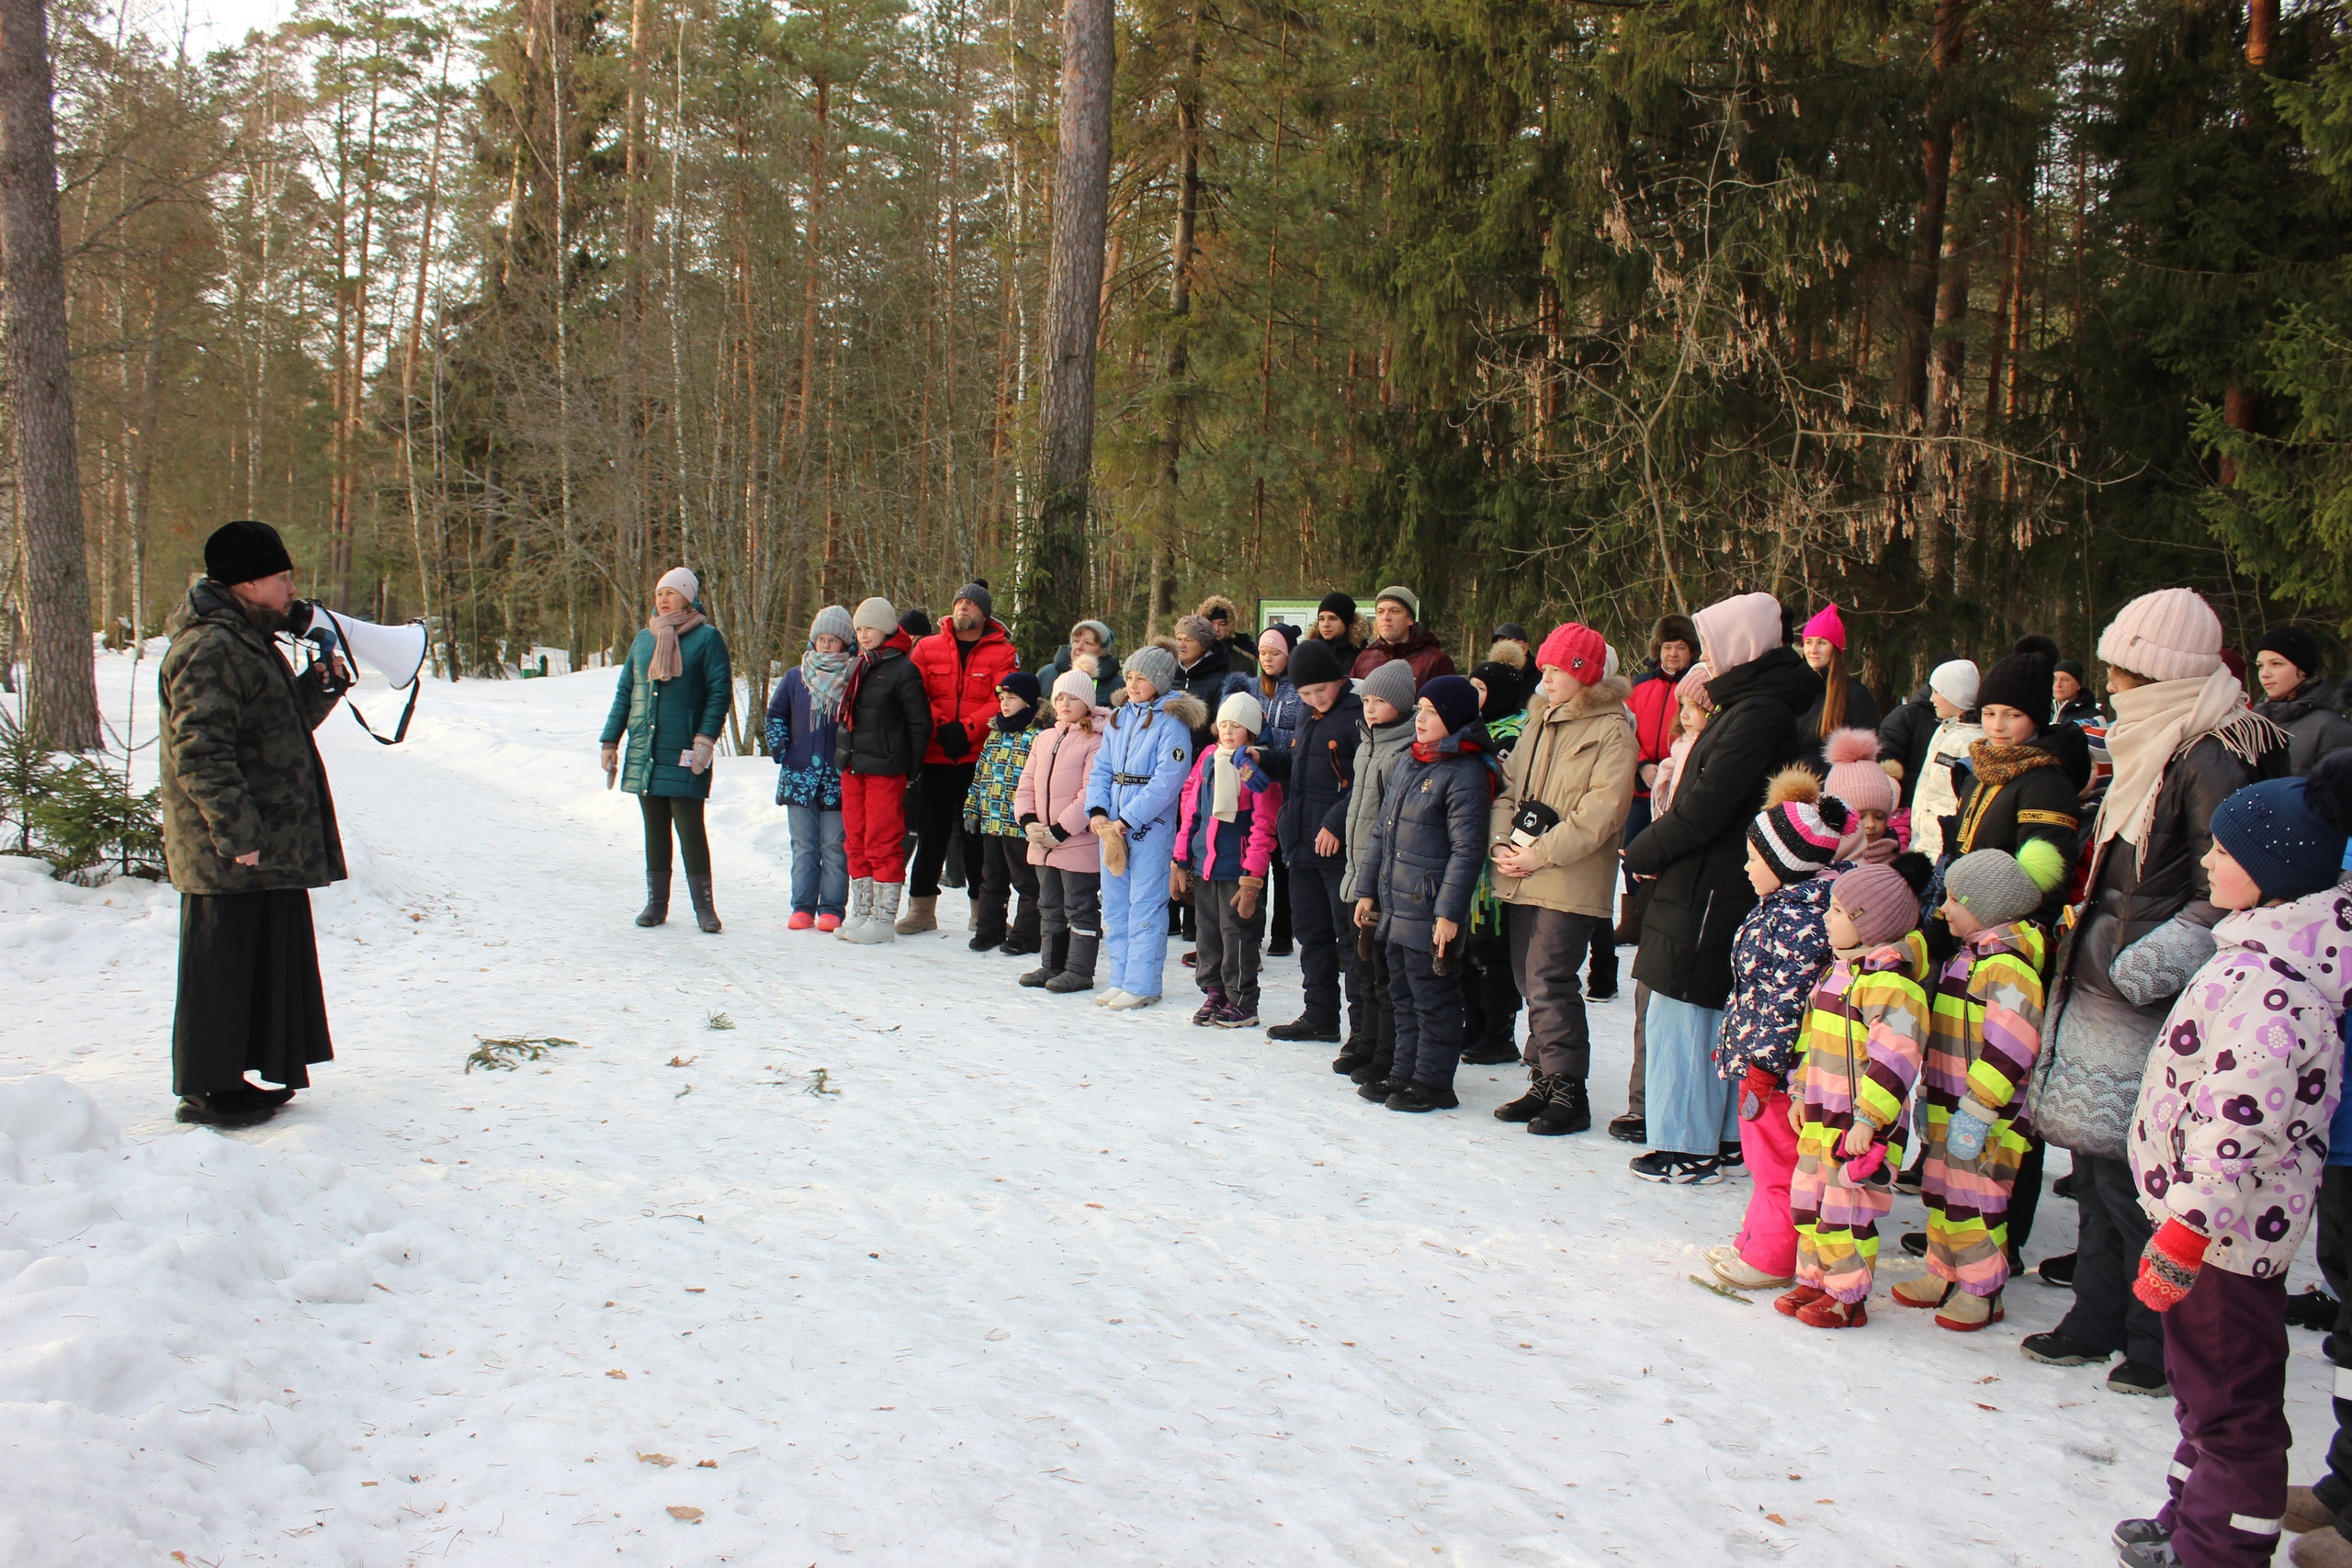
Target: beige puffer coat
pixel 1578 757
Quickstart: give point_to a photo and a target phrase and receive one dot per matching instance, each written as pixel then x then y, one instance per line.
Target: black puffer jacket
pixel 1861 713
pixel 1317 774
pixel 891 717
pixel 2013 798
pixel 2313 725
pixel 1698 850
pixel 1904 737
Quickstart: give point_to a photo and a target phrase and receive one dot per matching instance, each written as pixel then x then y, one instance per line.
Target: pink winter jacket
pixel 1053 790
pixel 2230 1134
pixel 1260 797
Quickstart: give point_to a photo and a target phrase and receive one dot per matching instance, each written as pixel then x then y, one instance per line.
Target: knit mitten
pixel 1755 1088
pixel 1964 1137
pixel 2169 1265
pixel 704 749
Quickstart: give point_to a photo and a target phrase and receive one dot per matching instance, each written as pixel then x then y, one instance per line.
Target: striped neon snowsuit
pixel 1865 1033
pixel 1982 1036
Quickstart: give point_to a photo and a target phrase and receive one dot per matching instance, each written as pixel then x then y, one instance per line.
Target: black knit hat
pixel 1506 694
pixel 2072 667
pixel 1284 630
pixel 2022 682
pixel 1512 631
pixel 2293 644
pixel 1341 605
pixel 916 624
pixel 1315 663
pixel 242 551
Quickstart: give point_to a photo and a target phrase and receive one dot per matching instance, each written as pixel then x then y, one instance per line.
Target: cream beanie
pixel 876 614
pixel 1955 680
pixel 1243 709
pixel 2170 635
pixel 682 580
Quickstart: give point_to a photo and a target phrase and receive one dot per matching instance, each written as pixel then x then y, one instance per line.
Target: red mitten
pixel 1757 1087
pixel 2168 1267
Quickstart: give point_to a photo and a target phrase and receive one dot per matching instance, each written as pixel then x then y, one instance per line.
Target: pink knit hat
pixel 1855 776
pixel 1735 631
pixel 1879 900
pixel 2170 635
pixel 1693 688
pixel 1829 624
pixel 1578 649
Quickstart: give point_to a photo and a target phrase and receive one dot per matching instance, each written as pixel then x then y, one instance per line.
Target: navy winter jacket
pixel 1428 843
pixel 1316 774
pixel 1283 710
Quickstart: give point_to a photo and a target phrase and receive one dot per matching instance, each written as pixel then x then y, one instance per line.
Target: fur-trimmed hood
pixel 1605 696
pixel 1186 710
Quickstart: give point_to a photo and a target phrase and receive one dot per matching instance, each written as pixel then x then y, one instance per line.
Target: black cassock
pixel 250 998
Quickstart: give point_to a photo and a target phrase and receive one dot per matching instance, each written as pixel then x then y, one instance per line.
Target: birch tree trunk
pixel 63 699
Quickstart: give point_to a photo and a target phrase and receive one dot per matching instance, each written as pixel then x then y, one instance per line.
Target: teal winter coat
pixel 663 717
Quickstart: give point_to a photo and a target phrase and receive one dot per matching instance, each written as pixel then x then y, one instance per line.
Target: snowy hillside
pixel 807 1253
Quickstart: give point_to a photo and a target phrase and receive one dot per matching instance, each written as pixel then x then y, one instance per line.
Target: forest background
pixel 1977 316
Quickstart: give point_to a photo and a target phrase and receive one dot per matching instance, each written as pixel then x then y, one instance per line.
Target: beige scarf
pixel 1225 786
pixel 2156 723
pixel 666 663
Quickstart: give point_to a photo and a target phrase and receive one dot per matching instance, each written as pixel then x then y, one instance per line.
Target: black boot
pixel 1378 1090
pixel 227 1109
pixel 1416 1095
pixel 657 899
pixel 983 939
pixel 1355 1054
pixel 706 912
pixel 1571 1110
pixel 1305 1028
pixel 1531 1104
pixel 1056 954
pixel 1494 1047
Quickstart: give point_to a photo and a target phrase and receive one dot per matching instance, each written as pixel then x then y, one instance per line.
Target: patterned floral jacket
pixel 2230 1133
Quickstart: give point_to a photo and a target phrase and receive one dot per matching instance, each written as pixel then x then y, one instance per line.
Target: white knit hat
pixel 1243 709
pixel 1955 680
pixel 876 614
pixel 1075 683
pixel 2170 635
pixel 682 580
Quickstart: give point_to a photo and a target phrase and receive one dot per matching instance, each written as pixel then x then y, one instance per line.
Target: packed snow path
pixel 1013 1281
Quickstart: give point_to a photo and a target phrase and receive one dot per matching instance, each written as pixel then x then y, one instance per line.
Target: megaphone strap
pixel 407 713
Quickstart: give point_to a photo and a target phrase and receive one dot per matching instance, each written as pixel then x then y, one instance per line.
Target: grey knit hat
pixel 832 621
pixel 876 614
pixel 1155 664
pixel 1392 682
pixel 1992 886
pixel 977 592
pixel 1102 632
pixel 1200 628
pixel 1403 595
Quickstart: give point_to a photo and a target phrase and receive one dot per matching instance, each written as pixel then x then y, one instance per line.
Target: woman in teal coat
pixel 674 693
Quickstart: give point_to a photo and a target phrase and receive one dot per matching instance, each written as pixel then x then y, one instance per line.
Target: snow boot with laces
pixel 657 899
pixel 1569 1112
pixel 860 910
pixel 922 914
pixel 705 911
pixel 1531 1104
pixel 1056 954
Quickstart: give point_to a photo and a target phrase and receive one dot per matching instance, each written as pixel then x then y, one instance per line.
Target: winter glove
pixel 971 825
pixel 1757 1087
pixel 1964 1136
pixel 612 761
pixel 704 749
pixel 1245 902
pixel 1039 834
pixel 2168 1266
pixel 953 740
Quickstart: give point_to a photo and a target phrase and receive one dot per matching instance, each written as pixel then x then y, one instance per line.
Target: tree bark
pixel 1050 598
pixel 63 699
pixel 1180 308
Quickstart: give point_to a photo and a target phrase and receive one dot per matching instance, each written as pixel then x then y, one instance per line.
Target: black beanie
pixel 2293 644
pixel 2072 667
pixel 1505 695
pixel 1315 663
pixel 2022 682
pixel 239 552
pixel 1341 605
pixel 916 624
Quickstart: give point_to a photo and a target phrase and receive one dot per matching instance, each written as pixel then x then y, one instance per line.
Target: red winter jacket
pixel 959 677
pixel 1420 649
pixel 1656 721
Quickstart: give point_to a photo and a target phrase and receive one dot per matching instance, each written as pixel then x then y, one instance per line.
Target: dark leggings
pixel 661 812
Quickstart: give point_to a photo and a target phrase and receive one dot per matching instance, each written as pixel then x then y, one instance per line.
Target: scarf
pixel 1225 786
pixel 1996 765
pixel 1459 744
pixel 1015 723
pixel 666 664
pixel 2156 723
pixel 827 677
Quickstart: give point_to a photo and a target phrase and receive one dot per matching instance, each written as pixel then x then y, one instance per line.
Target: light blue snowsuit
pixel 1139 778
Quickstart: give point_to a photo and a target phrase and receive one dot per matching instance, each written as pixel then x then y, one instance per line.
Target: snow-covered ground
pixel 697 1312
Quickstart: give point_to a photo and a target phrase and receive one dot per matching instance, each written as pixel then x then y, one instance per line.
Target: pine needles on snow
pixel 507 1052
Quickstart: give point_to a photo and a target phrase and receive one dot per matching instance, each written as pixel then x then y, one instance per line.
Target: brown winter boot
pixel 2320 1549
pixel 2305 1512
pixel 922 914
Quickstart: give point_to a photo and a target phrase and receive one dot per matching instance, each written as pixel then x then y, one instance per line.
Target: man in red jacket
pixel 960 664
pixel 1397 633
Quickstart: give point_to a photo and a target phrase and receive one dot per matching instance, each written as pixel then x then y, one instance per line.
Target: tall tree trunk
pixel 64 698
pixel 1049 584
pixel 2242 405
pixel 1928 233
pixel 1180 308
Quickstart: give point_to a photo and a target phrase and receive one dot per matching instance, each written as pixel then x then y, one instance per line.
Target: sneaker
pixel 1212 1004
pixel 801 920
pixel 1683 1170
pixel 1378 1090
pixel 1569 1111
pixel 1828 1312
pixel 1609 995
pixel 1629 1128
pixel 1418 1096
pixel 1237 1016
pixel 1915 1243
pixel 2053 1348
pixel 829 922
pixel 2138 1377
pixel 1305 1028
pixel 1528 1106
pixel 2144 1544
pixel 2058 1273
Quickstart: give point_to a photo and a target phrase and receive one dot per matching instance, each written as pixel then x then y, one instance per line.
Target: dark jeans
pixel 1429 1015
pixel 2225 1356
pixel 2106 1315
pixel 1547 949
pixel 1004 869
pixel 1379 1005
pixel 1326 934
pixel 939 819
pixel 663 812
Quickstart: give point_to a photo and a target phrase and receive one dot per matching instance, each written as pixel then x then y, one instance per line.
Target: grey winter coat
pixel 1377 754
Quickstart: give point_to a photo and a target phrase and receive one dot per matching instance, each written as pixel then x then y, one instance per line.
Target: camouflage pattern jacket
pixel 240 770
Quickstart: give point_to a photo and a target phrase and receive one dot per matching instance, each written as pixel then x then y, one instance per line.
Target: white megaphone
pixel 397 653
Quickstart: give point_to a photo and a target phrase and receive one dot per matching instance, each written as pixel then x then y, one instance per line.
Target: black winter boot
pixel 1056 954
pixel 1378 1090
pixel 706 912
pixel 1418 1095
pixel 1305 1028
pixel 1020 946
pixel 983 939
pixel 1495 1047
pixel 1534 1103
pixel 657 899
pixel 1353 1054
pixel 1571 1110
